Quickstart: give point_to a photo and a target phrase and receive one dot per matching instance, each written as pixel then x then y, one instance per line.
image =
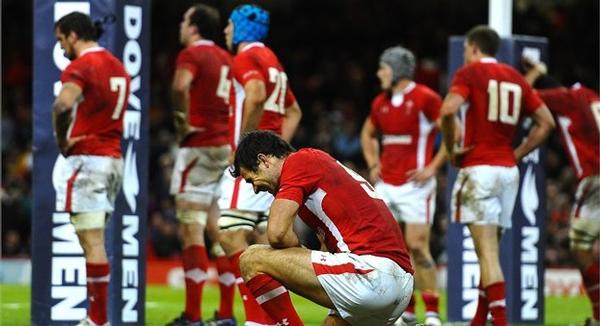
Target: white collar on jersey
pixel 398 98
pixel 488 60
pixel 203 42
pixel 90 50
pixel 252 45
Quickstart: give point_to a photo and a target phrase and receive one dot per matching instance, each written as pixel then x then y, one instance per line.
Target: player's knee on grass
pixel 88 221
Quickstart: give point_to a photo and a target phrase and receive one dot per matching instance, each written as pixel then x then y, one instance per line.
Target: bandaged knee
pixel 190 216
pixel 89 221
pixel 231 220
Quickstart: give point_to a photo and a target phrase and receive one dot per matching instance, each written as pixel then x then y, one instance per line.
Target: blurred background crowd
pixel 330 50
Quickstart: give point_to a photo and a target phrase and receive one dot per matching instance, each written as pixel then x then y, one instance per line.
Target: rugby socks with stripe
pixel 226 287
pixel 408 316
pixel 431 300
pixel 254 312
pixel 98 276
pixel 480 318
pixel 195 263
pixel 274 298
pixel 497 303
pixel 591 281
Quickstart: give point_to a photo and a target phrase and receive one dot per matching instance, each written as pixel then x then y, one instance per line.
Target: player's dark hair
pixel 545 82
pixel 208 21
pixel 82 25
pixel 258 142
pixel 485 38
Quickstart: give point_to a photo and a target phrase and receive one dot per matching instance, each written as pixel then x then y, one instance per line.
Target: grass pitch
pixel 163 304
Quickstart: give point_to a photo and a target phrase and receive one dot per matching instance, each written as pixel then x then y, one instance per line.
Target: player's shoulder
pixel 579 89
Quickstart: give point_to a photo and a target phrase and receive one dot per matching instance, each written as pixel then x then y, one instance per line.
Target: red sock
pixel 409 313
pixel 226 287
pixel 497 303
pixel 254 313
pixel 195 262
pixel 98 276
pixel 431 300
pixel 275 300
pixel 591 280
pixel 480 318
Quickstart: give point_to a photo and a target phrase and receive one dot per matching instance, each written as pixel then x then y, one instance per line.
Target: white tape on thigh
pixel 235 220
pixel 88 221
pixel 189 216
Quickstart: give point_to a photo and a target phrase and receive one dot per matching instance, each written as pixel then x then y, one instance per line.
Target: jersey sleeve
pixel 556 99
pixel 246 69
pixel 531 99
pixel 432 106
pixel 74 74
pixel 185 61
pixel 299 177
pixel 461 83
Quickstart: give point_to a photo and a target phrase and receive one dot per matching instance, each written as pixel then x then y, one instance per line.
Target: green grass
pixel 164 303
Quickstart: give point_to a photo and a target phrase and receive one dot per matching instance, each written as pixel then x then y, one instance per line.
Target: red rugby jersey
pixel 99 116
pixel 408 130
pixel 497 94
pixel 210 67
pixel 339 204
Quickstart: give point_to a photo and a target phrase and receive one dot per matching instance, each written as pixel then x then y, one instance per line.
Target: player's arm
pixel 450 129
pixel 180 94
pixel 62 108
pixel 370 148
pixel 280 231
pixel 255 96
pixel 291 120
pixel 544 123
pixel 430 170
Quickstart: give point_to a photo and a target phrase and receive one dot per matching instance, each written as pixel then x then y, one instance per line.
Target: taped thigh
pixel 231 220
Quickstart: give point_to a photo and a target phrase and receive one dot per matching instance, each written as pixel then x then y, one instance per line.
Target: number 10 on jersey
pixel 502 99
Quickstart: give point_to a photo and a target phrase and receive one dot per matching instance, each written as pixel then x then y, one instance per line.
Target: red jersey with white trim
pixel 256 61
pixel 577 111
pixel 210 67
pixel 406 122
pixel 99 115
pixel 340 205
pixel 497 94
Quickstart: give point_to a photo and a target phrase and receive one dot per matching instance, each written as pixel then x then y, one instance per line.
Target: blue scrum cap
pixel 250 24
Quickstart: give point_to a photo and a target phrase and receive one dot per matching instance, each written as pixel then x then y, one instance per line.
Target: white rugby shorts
pixel 485 194
pixel 585 215
pixel 237 194
pixel 87 183
pixel 197 173
pixel 365 289
pixel 410 202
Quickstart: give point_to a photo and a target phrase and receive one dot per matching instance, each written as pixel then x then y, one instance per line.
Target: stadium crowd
pixel 332 62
